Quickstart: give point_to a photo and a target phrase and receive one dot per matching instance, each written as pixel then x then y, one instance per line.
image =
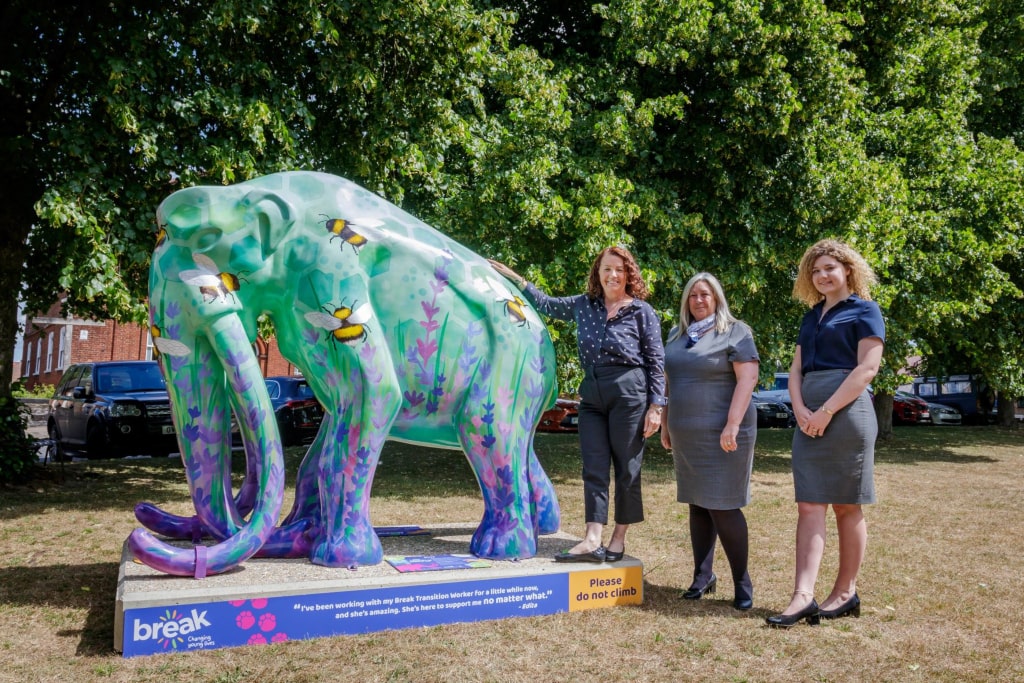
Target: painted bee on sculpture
pixel 515 309
pixel 211 281
pixel 346 230
pixel 161 236
pixel 162 344
pixel 346 324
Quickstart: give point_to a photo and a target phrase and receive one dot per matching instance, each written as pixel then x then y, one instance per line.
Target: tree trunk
pixel 1006 411
pixel 14 228
pixel 883 413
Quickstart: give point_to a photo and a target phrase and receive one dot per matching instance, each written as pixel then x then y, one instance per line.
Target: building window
pixel 62 347
pixel 28 359
pixel 50 348
pixel 149 345
pixel 39 353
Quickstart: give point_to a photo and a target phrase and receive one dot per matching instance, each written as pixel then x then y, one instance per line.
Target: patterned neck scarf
pixel 698 328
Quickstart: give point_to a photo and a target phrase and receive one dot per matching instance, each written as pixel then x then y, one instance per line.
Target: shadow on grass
pixel 408 471
pixel 88 587
pixel 667 601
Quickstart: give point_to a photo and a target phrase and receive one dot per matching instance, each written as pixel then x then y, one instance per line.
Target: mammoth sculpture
pixel 401 332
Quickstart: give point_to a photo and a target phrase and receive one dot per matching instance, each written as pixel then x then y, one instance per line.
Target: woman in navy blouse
pixel 618 338
pixel 837 355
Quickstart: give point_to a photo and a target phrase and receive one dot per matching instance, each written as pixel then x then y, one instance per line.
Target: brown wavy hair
pixel 859 279
pixel 635 286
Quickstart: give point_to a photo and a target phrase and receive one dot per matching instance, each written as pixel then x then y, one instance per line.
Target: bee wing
pixel 200 278
pixel 172 347
pixel 366 222
pixel 360 315
pixel 205 263
pixel 322 320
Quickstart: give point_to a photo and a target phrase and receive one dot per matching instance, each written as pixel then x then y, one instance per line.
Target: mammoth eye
pixel 206 238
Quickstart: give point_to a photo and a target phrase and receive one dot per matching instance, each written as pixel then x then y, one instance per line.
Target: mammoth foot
pixel 292 540
pixel 549 516
pixel 501 538
pixel 360 546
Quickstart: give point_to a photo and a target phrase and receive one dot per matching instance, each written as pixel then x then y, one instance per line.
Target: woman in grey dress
pixel 837 355
pixel 711 368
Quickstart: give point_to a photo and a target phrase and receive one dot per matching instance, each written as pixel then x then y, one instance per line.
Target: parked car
pixel 944 415
pixel 564 417
pixel 772 412
pixel 296 408
pixel 112 408
pixel 908 409
pixel 969 394
pixel 777 395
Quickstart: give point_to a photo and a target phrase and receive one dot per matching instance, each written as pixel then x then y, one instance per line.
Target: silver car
pixel 944 415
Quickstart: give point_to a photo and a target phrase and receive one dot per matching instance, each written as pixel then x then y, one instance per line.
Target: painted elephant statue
pixel 401 332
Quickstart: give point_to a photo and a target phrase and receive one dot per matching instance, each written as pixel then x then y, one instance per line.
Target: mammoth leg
pixel 547 512
pixel 356 430
pixel 499 456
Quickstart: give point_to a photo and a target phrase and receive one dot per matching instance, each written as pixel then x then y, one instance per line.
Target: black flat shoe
pixel 810 613
pixel 598 555
pixel 695 593
pixel 611 556
pixel 850 608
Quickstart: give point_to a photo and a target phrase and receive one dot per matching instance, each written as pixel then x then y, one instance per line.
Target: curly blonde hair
pixel 859 276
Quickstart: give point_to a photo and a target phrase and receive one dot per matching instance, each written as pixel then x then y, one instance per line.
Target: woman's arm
pixel 746 380
pixel 795 386
pixel 869 357
pixel 560 307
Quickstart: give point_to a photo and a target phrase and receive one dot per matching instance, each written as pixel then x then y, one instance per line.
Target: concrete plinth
pixel 276 600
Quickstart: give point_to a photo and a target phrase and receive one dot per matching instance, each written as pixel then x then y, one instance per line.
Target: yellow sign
pixel 606 588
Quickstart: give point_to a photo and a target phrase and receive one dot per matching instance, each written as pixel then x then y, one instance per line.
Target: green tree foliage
pixel 718 136
pixel 109 107
pixel 17 456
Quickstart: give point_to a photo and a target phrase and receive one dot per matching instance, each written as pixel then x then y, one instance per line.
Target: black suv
pixel 112 408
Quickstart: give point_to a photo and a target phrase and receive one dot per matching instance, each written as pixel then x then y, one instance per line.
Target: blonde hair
pixel 859 279
pixel 724 319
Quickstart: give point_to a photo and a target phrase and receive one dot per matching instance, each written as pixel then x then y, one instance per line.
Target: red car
pixel 564 417
pixel 908 409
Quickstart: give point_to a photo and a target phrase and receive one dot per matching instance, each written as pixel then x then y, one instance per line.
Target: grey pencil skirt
pixel 838 466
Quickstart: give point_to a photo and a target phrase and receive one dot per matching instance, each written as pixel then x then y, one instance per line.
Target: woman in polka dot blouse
pixel 623 391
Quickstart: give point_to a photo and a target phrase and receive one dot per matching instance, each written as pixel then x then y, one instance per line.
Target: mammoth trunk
pixel 220 363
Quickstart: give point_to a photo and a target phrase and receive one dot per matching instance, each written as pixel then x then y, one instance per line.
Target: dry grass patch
pixel 941 583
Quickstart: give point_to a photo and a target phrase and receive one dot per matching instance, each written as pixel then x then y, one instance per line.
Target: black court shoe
pixel 850 608
pixel 696 593
pixel 810 613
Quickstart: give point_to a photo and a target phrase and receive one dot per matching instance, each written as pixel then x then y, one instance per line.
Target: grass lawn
pixel 941 586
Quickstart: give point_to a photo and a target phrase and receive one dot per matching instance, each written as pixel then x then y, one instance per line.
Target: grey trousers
pixel 611 412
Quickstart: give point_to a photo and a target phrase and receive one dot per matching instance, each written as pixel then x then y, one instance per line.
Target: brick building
pixel 54 342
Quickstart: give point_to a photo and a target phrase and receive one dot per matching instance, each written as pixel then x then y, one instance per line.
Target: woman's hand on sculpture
pixel 507 273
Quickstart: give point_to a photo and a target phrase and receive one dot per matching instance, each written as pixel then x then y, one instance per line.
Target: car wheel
pixel 96 445
pixel 60 455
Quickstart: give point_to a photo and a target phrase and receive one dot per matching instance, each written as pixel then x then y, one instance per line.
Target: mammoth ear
pixel 274 214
